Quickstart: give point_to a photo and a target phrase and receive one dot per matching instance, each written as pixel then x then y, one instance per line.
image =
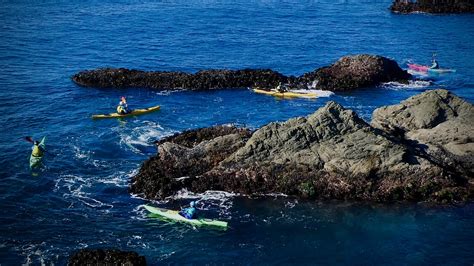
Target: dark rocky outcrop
pixel 106 257
pixel 432 6
pixel 202 80
pixel 352 72
pixel 186 155
pixel 331 154
pixel 349 72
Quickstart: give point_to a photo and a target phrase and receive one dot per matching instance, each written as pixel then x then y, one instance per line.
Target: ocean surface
pixel 78 198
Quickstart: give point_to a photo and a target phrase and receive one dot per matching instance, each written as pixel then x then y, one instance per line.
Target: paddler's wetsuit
pixel 37 150
pixel 281 88
pixel 189 212
pixel 122 108
pixel 435 64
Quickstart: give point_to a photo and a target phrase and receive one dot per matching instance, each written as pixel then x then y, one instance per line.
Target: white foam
pixel 142 135
pixel 165 92
pixel 86 156
pixel 119 179
pixel 79 154
pixel 275 195
pixel 412 84
pixel 211 199
pixel 319 93
pixel 75 187
pixel 209 194
pixel 291 204
pixel 30 251
pixel 417 73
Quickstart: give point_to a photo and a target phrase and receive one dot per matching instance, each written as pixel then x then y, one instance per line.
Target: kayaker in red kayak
pixel 434 64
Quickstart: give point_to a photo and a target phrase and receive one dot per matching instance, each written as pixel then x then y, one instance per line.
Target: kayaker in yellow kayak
pixel 281 88
pixel 122 108
pixel 190 212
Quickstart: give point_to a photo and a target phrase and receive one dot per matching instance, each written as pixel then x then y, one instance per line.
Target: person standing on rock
pixel 122 108
pixel 190 212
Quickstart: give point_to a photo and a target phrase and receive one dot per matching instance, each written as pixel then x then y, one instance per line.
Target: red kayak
pixel 421 68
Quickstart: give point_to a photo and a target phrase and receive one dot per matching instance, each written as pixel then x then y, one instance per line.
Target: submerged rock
pixel 432 6
pixel 106 257
pixel 350 72
pixel 331 154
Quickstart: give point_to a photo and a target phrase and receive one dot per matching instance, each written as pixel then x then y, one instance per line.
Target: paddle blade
pixel 29 139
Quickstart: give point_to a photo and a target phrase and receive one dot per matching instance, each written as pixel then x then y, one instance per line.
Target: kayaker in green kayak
pixel 122 108
pixel 38 151
pixel 190 212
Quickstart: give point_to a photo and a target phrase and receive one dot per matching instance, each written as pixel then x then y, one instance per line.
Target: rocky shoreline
pixel 348 73
pixel 419 150
pixel 432 6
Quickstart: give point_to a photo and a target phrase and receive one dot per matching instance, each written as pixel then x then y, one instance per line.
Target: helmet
pixel 36 142
pixel 192 204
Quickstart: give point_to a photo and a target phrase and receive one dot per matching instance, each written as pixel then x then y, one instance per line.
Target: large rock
pixel 206 79
pixel 106 257
pixel 349 72
pixel 331 154
pixel 432 6
pixel 438 123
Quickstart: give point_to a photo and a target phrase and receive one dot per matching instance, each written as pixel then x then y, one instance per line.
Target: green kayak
pixel 35 160
pixel 174 215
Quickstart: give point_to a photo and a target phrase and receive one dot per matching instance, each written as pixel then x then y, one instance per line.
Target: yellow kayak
pixel 288 94
pixel 132 113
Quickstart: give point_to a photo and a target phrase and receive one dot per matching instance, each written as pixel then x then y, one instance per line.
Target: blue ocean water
pixel 79 197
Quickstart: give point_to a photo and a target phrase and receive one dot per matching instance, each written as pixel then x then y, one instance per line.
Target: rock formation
pixel 186 155
pixel 419 150
pixel 350 72
pixel 202 80
pixel 106 257
pixel 432 6
pixel 439 122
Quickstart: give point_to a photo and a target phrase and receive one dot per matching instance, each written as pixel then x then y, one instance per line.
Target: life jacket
pixel 37 151
pixel 122 108
pixel 189 212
